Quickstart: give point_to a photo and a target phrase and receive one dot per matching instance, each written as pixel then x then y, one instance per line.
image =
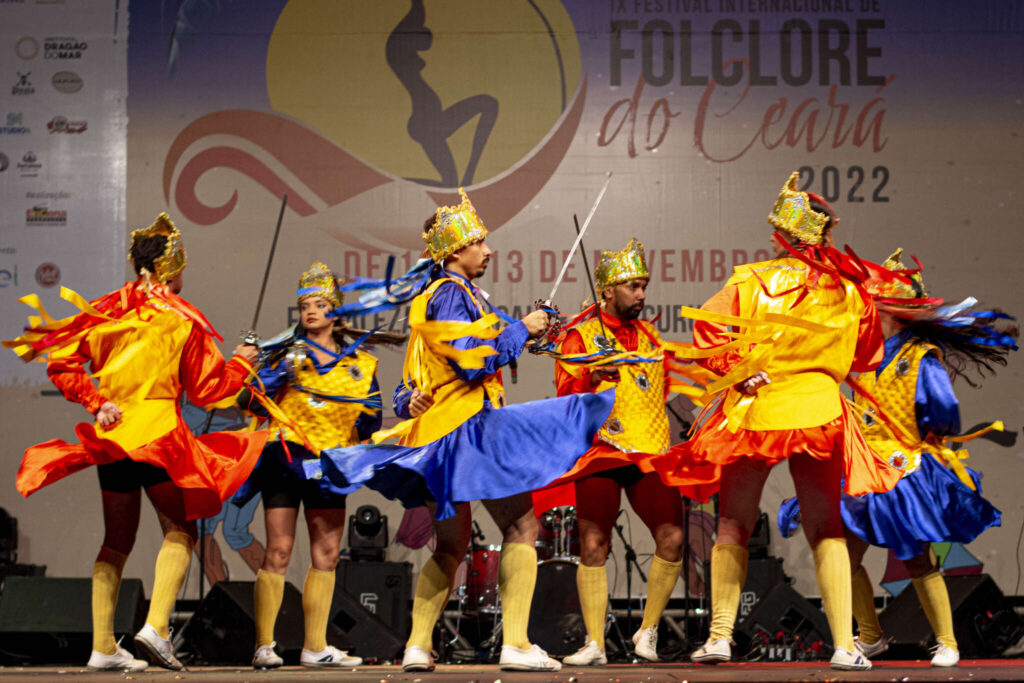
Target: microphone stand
pixel 630 564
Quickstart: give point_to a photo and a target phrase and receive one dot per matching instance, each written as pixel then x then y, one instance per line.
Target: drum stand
pixel 630 564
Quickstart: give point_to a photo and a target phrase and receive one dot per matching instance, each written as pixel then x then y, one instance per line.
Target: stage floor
pixel 887 671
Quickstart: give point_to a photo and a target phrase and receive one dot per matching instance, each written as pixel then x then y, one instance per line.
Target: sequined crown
pixel 793 215
pixel 173 260
pixel 622 266
pixel 907 285
pixel 454 227
pixel 318 280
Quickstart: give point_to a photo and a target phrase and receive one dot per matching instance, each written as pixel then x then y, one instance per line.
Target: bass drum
pixel 556 621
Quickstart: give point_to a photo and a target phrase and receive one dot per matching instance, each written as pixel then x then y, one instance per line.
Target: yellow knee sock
pixel 728 572
pixel 267 595
pixel 106 581
pixel 317 593
pixel 171 567
pixel 931 591
pixel 660 582
pixel 517 576
pixel 864 608
pixel 832 562
pixel 432 589
pixel 592 585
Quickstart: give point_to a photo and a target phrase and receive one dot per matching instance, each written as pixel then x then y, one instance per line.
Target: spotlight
pixel 367 534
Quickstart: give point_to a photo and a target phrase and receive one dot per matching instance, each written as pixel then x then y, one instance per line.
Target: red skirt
pixel 209 469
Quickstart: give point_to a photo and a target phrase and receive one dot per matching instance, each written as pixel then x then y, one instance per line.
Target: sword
pixel 251 337
pixel 579 237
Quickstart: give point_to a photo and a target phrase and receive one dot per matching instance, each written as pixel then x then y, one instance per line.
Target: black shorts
pixel 128 476
pixel 283 484
pixel 624 476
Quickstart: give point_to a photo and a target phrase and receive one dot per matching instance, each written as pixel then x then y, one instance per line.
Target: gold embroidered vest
pixel 327 424
pixel 638 422
pixel 895 389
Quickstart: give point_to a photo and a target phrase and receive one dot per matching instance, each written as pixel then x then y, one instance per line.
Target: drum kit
pixel 556 621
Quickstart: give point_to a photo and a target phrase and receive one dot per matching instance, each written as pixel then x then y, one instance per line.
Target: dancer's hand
pixel 247 352
pixel 419 403
pixel 750 385
pixel 536 323
pixel 604 375
pixel 108 414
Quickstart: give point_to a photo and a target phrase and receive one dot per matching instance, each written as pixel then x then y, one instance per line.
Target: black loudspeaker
pixel 784 612
pixel 223 630
pixel 762 575
pixel 371 606
pixel 383 588
pixel 49 620
pixel 984 622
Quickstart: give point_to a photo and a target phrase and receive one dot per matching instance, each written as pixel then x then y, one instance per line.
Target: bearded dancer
pixel 146 345
pixel 938 499
pixel 329 387
pixel 460 443
pixel 619 458
pixel 783 402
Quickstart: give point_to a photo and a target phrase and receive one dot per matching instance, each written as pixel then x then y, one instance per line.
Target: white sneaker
pixel 713 652
pixel 266 658
pixel 645 643
pixel 417 659
pixel 121 660
pixel 533 659
pixel 944 656
pixel 844 660
pixel 329 657
pixel 588 655
pixel 157 650
pixel 871 650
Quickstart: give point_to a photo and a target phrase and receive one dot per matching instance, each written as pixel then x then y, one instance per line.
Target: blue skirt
pixel 929 505
pixel 495 454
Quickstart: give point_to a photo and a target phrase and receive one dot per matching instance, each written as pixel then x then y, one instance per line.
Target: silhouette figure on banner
pixel 430 124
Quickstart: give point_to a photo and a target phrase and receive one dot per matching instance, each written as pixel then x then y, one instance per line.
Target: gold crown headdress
pixel 622 266
pixel 318 280
pixel 173 260
pixel 909 286
pixel 793 215
pixel 454 227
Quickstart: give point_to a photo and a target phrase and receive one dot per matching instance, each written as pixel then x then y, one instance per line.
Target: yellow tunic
pixel 638 422
pixel 327 424
pixel 455 400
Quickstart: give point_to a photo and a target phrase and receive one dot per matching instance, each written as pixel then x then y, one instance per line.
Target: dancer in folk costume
pixel 910 416
pixel 146 346
pixel 328 386
pixel 460 443
pixel 786 332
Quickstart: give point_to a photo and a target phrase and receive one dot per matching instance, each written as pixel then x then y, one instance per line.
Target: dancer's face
pixel 313 312
pixel 626 301
pixel 176 283
pixel 470 261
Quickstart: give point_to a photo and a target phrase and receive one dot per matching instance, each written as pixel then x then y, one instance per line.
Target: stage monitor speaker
pixel 762 575
pixel 984 622
pixel 223 630
pixel 45 620
pixel 383 588
pixel 783 611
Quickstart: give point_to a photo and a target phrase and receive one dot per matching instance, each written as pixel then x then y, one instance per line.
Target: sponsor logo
pixel 67 81
pixel 60 124
pixel 26 48
pixel 63 47
pixel 15 124
pixel 9 277
pixel 41 215
pixel 56 195
pixel 4 162
pixel 29 166
pixel 23 86
pixel 47 275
